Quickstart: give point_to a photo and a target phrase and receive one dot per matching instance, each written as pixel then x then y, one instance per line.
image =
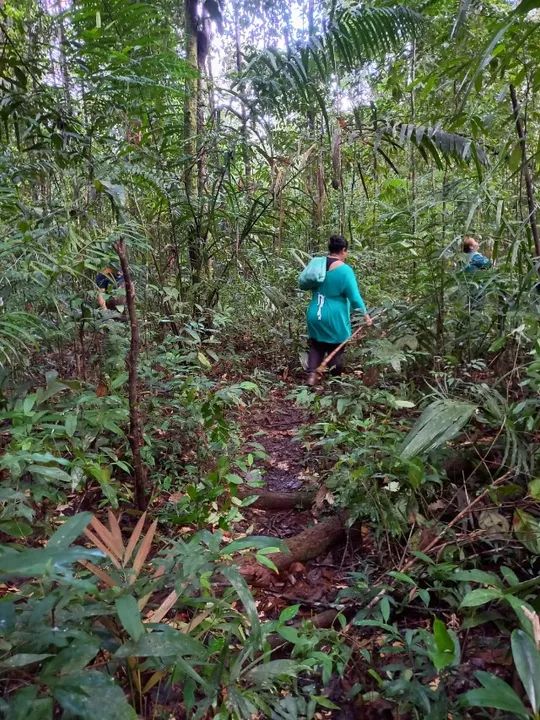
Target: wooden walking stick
pixel 319 372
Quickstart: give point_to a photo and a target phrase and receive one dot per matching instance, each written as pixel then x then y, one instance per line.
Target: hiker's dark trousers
pixel 319 350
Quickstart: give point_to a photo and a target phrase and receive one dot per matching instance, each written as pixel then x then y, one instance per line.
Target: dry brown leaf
pixel 98 572
pixel 107 538
pixel 143 551
pixel 196 620
pixel 97 542
pixel 176 497
pixel 153 680
pixel 159 613
pixel 159 571
pixel 320 497
pixel 102 390
pixel 133 540
pixel 114 524
pixel 535 622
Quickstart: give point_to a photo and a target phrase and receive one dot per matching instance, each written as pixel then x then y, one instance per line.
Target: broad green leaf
pixel 440 422
pixel 70 530
pixel 41 561
pixel 375 623
pixel 527 661
pixel 205 362
pixel 527 530
pixel 534 488
pixel 324 702
pixel 249 385
pixel 268 672
pixel 446 646
pixel 267 562
pixel 525 6
pixel 71 424
pixel 26 705
pixel 161 644
pixel 242 590
pixel 22 660
pixel 403 403
pixel 290 634
pixel 184 667
pixel 16 528
pixel 73 658
pixel 519 606
pixel 92 695
pixel 288 613
pixel 514 161
pixel 49 473
pixel 475 598
pixel 255 542
pixel 384 606
pixel 403 577
pixel 477 576
pixel 495 693
pixel 416 472
pixel 117 193
pixel 510 576
pixel 130 616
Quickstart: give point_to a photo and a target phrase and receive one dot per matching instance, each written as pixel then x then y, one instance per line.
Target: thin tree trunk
pixel 313 169
pixel 190 137
pixel 243 129
pixel 412 153
pixel 526 172
pixel 135 423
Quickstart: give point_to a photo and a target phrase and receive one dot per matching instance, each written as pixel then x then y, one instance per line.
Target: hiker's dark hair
pixel 337 243
pixel 467 243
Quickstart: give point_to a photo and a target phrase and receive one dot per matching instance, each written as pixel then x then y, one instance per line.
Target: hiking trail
pixel 323 552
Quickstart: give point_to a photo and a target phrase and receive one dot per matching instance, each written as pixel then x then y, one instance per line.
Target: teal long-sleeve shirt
pixel 329 312
pixel 477 261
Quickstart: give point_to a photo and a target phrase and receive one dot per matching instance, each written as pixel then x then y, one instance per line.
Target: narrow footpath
pixel 292 505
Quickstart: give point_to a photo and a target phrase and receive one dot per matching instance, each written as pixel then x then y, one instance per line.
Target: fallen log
pixel 308 544
pixel 269 500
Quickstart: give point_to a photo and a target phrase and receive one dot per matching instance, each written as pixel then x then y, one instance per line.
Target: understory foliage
pixel 221 144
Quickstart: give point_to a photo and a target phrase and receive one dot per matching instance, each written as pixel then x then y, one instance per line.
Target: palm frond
pixel 19 331
pixel 355 36
pixel 438 143
pixel 440 422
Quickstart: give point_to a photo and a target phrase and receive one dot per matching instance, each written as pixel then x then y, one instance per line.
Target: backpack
pixel 313 274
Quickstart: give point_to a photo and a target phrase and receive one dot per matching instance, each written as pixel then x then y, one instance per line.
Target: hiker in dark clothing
pixel 329 312
pixel 109 282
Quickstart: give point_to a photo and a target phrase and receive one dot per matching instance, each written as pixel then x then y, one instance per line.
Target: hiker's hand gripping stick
pixel 328 359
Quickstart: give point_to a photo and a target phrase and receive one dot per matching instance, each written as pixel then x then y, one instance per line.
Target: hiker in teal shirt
pixel 476 261
pixel 329 312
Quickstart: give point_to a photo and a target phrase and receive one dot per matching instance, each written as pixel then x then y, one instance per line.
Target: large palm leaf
pixel 356 35
pixel 436 142
pixel 19 331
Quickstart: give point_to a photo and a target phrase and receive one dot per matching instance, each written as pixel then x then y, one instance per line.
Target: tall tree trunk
pixel 314 169
pixel 135 423
pixel 526 173
pixel 412 151
pixel 243 129
pixel 190 137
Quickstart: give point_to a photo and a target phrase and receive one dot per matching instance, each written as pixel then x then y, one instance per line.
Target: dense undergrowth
pixel 407 459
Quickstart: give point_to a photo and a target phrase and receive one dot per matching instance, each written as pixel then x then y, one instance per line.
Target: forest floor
pixel 289 468
pixel 315 582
